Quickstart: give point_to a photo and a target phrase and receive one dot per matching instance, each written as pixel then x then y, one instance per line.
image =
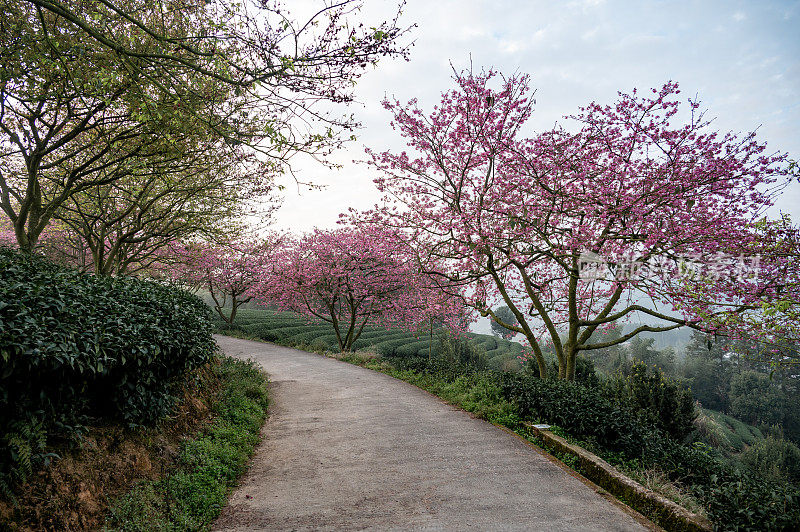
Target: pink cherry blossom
pixel 353 277
pixel 508 219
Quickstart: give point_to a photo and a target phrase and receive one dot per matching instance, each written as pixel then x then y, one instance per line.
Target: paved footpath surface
pixel 346 448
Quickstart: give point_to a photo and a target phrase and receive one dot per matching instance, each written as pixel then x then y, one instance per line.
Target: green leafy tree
pixel 643 349
pixel 89 91
pixel 708 371
pixel 130 223
pixel 756 399
pixel 774 458
pixel 659 399
pixel 505 315
pixel 613 358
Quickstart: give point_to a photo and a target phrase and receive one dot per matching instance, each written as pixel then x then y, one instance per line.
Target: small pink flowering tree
pixel 230 270
pixel 351 277
pixel 631 213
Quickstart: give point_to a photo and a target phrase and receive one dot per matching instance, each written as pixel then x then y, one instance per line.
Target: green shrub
pixel 584 412
pixel 386 336
pixel 362 343
pixel 287 333
pixel 485 341
pixel 415 348
pixel 73 345
pixel 773 458
pixel 584 369
pixel 326 342
pixel 658 399
pixel 743 502
pixel 25 441
pixel 456 352
pixel 389 347
pixel 263 331
pixel 309 334
pixel 756 399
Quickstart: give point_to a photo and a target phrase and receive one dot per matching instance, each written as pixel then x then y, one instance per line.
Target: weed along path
pixel 349 448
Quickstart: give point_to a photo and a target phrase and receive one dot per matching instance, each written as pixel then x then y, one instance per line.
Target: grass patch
pixel 726 433
pixel 658 481
pixel 192 496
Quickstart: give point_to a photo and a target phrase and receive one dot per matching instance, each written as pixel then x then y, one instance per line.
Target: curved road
pixel 349 448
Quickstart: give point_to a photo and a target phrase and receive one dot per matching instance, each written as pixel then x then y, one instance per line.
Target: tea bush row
pixel 74 345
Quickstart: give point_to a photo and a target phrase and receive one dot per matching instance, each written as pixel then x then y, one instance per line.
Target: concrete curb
pixel 670 515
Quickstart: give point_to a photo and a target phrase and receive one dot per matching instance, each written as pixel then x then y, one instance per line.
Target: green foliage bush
pixel 284 333
pixel 25 442
pixel 370 333
pixel 263 331
pixel 485 341
pixel 308 334
pixel 754 399
pixel 660 400
pixel 459 353
pixel 73 345
pixel 362 343
pixel 583 411
pixel 326 342
pixel 416 348
pixel 584 369
pixel 389 347
pixel 449 357
pixel 774 458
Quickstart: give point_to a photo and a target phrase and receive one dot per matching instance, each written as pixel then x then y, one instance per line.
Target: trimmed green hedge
pixel 417 348
pixel 488 343
pixel 309 334
pixel 389 347
pixel 73 345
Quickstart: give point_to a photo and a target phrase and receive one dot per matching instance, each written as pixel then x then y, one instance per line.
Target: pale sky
pixel 742 59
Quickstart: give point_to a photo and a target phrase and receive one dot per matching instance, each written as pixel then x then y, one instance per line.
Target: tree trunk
pixel 25 241
pixel 570 372
pixel 566 369
pixel 234 308
pixel 430 342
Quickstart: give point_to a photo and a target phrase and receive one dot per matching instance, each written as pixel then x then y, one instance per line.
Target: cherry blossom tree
pixel 639 210
pixel 777 323
pixel 229 270
pixel 351 277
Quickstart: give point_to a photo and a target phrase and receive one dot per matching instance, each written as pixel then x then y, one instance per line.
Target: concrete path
pixel 347 448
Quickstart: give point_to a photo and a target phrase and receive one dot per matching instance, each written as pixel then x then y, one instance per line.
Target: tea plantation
pixel 291 329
